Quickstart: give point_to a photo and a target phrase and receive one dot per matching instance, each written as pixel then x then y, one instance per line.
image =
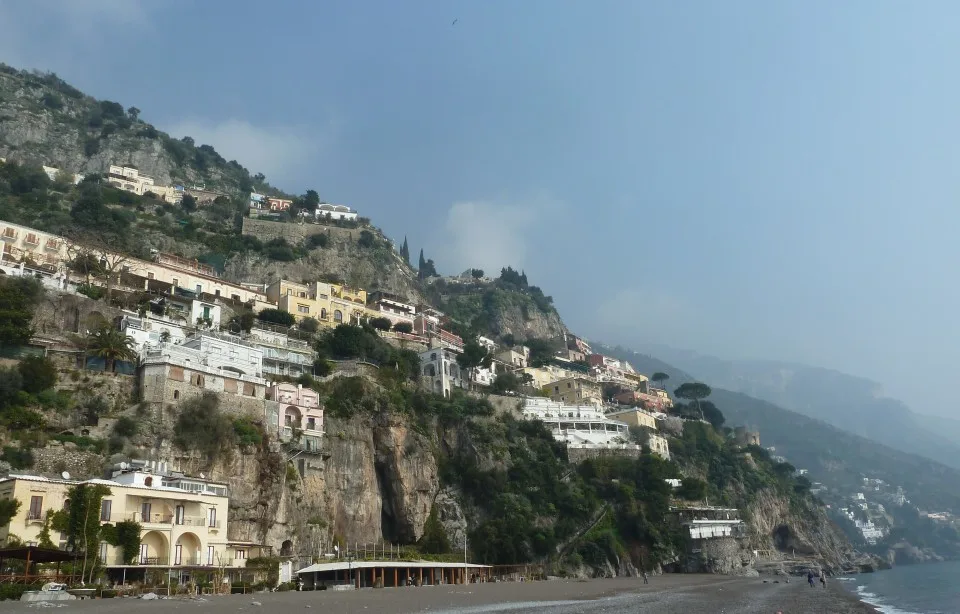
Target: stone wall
pixel 56 458
pixel 578 455
pixel 266 230
pixel 61 312
pixel 159 388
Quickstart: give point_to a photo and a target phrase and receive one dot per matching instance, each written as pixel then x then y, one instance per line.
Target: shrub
pixel 318 240
pixel 91 291
pixel 13 592
pixel 248 434
pixel 19 418
pixel 366 239
pixel 277 316
pixel 381 323
pixel 19 458
pixel 403 327
pixel 125 426
pixel 202 427
pixel 310 325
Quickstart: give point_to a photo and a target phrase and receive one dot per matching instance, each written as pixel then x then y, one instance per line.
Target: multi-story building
pixel 129 179
pixel 298 409
pixel 440 372
pixel 518 356
pixel 659 445
pixel 282 353
pixel 183 520
pixel 634 417
pixel 21 244
pixel 279 204
pixel 636 398
pixel 578 424
pixel 207 363
pixel 575 390
pixel 390 306
pixel 329 304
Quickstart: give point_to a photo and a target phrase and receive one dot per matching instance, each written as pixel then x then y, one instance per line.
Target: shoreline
pixel 670 594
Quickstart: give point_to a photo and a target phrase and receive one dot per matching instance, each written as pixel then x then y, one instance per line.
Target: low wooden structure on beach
pixel 32 556
pixel 369 574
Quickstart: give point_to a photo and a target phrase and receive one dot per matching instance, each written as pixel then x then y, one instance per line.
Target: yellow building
pixel 635 417
pixel 330 304
pixel 577 390
pixel 547 374
pixel 183 520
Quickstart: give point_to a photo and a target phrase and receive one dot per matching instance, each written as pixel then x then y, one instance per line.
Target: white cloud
pixel 489 235
pixel 281 153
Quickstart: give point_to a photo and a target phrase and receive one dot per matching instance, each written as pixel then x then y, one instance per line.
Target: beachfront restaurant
pixel 379 574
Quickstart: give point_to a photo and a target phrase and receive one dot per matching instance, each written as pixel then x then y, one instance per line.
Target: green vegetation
pixel 112 345
pixel 693 391
pixel 434 539
pixel 202 427
pixel 126 536
pixel 19 297
pixel 248 433
pixel 81 523
pixel 348 341
pixel 277 316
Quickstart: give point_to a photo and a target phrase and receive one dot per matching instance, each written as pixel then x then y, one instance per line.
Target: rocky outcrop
pixel 804 532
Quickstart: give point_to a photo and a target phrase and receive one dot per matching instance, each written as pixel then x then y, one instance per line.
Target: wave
pixel 878 602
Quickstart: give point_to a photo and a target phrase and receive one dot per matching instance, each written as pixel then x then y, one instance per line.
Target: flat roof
pixel 346 565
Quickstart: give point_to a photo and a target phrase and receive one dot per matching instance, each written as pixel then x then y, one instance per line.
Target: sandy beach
pixel 688 594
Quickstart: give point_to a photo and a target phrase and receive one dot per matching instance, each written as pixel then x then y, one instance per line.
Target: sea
pixel 910 589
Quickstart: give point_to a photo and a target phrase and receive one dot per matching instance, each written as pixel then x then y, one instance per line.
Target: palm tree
pixel 112 345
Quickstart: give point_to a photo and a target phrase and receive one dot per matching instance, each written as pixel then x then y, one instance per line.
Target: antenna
pixel 65 475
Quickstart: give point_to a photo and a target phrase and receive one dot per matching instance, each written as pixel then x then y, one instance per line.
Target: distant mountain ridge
pixel 849 402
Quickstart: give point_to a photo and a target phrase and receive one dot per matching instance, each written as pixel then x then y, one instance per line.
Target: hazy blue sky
pixel 747 179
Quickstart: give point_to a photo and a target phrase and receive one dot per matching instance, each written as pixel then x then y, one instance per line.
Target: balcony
pixel 9 234
pixel 53 244
pixel 163 519
pixel 201 521
pixel 35 517
pixel 32 239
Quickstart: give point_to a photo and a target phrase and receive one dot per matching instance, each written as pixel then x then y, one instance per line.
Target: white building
pixel 578 424
pixel 335 212
pixel 440 372
pixel 871 533
pixel 282 354
pixel 227 353
pixel 151 329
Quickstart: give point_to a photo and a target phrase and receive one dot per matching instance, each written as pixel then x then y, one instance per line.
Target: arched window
pixel 337 315
pixel 323 313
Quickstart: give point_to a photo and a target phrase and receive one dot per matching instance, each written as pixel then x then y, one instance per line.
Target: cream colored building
pixel 577 390
pixel 547 374
pixel 24 244
pixel 329 304
pixel 183 520
pixel 634 417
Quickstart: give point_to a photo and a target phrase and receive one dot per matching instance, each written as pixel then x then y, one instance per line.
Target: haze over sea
pixel 912 589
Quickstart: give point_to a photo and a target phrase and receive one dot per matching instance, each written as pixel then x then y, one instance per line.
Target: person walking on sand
pixel 823 578
pixel 810 578
pixel 645 581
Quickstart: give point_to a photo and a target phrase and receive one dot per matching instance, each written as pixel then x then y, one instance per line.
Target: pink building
pixel 299 408
pixel 279 204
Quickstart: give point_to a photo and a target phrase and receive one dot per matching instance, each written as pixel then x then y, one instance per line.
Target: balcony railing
pixel 150 518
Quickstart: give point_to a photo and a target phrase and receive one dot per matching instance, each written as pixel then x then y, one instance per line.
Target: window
pixel 176 395
pixel 323 313
pixel 145 510
pixel 103 552
pixel 241 554
pixel 303 308
pixel 176 282
pixel 210 555
pixel 105 506
pixel 302 295
pixel 212 517
pixel 144 553
pixel 235 297
pixel 199 289
pixel 337 315
pixel 289 291
pixel 216 293
pixel 36 508
pixel 178 514
pixel 311 424
pixel 301 466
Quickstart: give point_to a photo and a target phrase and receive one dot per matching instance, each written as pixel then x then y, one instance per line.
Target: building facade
pixel 578 424
pixel 298 409
pixel 575 390
pixel 440 372
pixel 183 520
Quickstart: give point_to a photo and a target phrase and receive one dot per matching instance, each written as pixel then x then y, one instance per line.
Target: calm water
pixel 912 589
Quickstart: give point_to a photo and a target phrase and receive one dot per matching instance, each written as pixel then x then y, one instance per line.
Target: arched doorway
pixel 154 548
pixel 187 550
pixel 292 417
pixel 286 548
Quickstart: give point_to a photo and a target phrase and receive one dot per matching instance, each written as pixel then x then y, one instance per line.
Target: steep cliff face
pixel 804 531
pixel 46 121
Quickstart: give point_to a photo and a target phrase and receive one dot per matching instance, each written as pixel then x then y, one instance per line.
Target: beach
pixel 670 594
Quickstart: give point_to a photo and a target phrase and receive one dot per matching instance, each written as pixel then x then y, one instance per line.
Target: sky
pixel 747 179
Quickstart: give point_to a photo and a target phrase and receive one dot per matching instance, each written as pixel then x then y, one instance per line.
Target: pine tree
pixel 422 265
pixel 405 251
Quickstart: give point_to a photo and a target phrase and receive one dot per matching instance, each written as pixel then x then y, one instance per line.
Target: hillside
pixel 854 404
pixel 839 459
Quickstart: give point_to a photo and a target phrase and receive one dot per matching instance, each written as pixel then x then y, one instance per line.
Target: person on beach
pixel 810 578
pixel 823 578
pixel 645 581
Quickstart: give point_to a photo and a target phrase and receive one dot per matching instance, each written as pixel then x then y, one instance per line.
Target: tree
pixel 311 200
pixel 659 377
pixel 693 391
pixel 692 489
pixel 310 325
pixel 8 509
pixel 476 273
pixel 474 355
pixel 366 240
pixel 189 203
pixel 39 373
pixel 403 327
pixel 83 522
pixel 506 382
pixel 133 113
pixel 277 316
pixel 405 251
pixel 98 255
pixel 18 297
pixel 380 323
pixel 426 268
pixel 434 539
pixel 111 345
